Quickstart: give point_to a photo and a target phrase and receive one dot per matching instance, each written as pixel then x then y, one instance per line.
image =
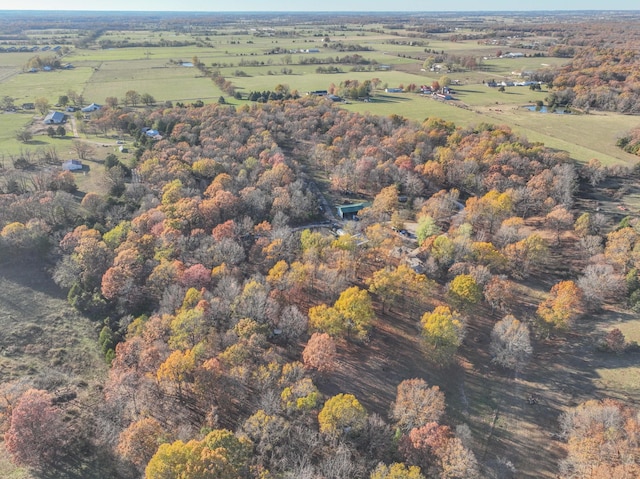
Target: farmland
pixel 257 56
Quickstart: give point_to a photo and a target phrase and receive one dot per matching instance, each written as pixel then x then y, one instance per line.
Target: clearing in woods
pixel 44 342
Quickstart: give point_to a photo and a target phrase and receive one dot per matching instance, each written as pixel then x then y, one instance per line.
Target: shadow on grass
pixel 87 462
pixel 30 272
pixel 388 99
pixel 460 92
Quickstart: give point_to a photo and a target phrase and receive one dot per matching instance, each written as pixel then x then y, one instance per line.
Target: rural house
pixel 90 108
pixel 54 118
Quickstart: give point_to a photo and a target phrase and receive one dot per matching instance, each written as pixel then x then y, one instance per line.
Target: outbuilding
pixel 349 212
pixel 72 165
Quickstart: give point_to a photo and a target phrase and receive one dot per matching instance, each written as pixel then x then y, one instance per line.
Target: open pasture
pixel 151 36
pixel 10 123
pixel 584 136
pixel 27 87
pixel 163 82
pixel 416 107
pixel 619 375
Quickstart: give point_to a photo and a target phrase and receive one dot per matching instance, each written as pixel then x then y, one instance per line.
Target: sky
pixel 320 5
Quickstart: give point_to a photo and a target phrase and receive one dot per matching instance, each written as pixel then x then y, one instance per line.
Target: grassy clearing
pixel 8 470
pixel 583 136
pixel 416 108
pixel 619 376
pixel 9 145
pixel 44 343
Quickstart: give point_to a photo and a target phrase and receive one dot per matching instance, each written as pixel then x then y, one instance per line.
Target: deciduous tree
pixel 342 414
pixel 464 291
pixel 320 353
pixel 140 440
pixel 42 105
pixel 397 470
pixel 417 404
pixel 326 319
pixel 355 307
pixel 562 306
pixel 37 434
pixel 510 343
pixel 83 149
pixel 132 97
pixel 442 332
pixel 602 438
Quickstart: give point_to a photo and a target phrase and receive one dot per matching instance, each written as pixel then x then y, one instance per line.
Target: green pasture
pixel 134 36
pixel 306 79
pixel 621 374
pixel 10 123
pixel 584 136
pixel 415 107
pixel 151 54
pixel 26 87
pixel 479 95
pixel 17 60
pixel 164 83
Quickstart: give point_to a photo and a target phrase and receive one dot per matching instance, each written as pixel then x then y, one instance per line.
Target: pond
pixel 544 109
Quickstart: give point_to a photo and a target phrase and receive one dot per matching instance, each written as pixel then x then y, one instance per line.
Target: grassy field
pixel 164 83
pixel 44 343
pixel 620 375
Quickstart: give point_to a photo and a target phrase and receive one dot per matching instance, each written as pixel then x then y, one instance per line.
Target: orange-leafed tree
pixel 140 440
pixel 602 440
pixel 320 353
pixel 562 307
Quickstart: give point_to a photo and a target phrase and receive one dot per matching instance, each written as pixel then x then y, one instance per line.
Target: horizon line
pixel 325 11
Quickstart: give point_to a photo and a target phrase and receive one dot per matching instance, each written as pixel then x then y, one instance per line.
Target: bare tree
pixel 83 150
pixel 292 323
pixel 599 283
pixel 510 343
pixel 24 136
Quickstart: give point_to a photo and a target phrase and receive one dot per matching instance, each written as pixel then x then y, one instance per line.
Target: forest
pixel 226 319
pixel 475 318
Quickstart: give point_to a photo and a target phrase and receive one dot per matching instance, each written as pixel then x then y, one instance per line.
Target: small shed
pixel 72 165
